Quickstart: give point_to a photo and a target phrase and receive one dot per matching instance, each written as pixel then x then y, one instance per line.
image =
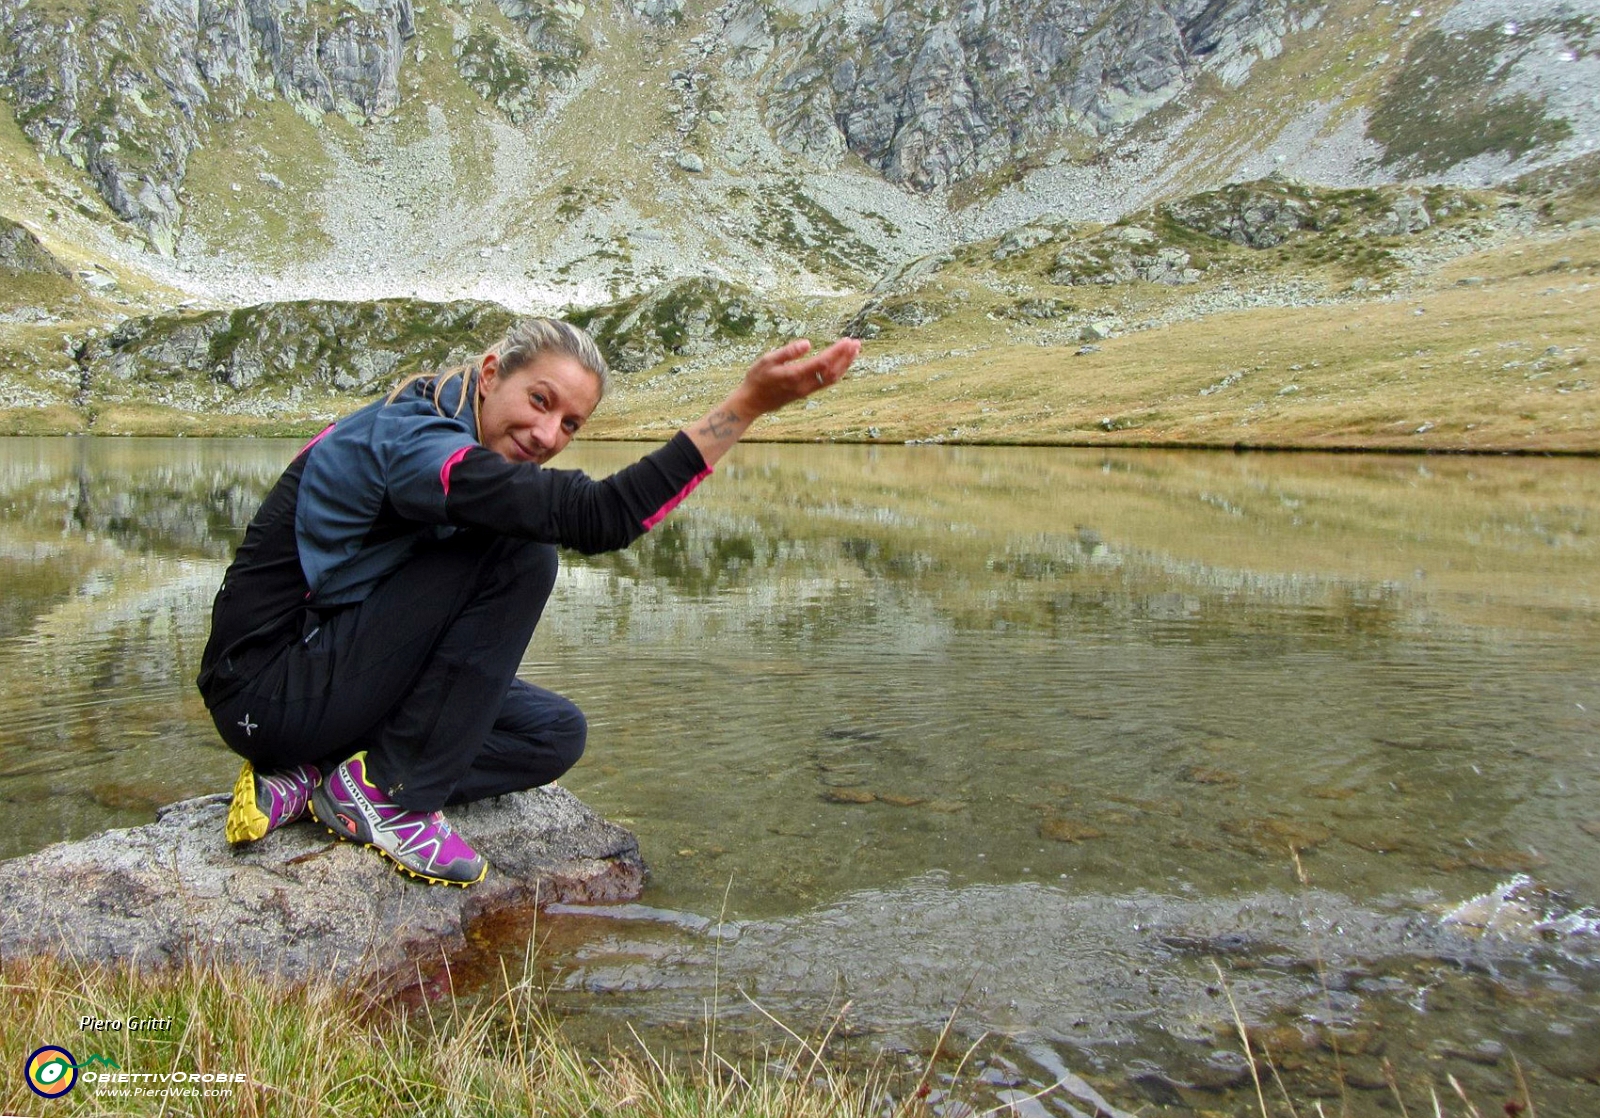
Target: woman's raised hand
pixel 786 374
pixel 792 372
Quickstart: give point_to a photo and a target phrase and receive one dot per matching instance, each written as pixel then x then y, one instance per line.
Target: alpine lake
pixel 1087 756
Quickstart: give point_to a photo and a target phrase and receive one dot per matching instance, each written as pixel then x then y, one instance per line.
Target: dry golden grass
pixel 56 419
pixel 126 418
pixel 1501 364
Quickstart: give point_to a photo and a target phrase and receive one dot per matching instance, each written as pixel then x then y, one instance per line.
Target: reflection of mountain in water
pixel 1029 646
pixel 77 509
pixel 111 551
pixel 1112 697
pixel 140 501
pixel 801 577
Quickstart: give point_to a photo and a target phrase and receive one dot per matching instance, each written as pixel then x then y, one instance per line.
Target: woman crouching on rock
pixel 365 641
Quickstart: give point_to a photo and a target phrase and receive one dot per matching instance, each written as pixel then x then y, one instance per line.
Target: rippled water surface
pixel 1051 734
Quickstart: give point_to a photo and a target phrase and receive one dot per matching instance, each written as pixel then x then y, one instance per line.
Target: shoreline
pixel 963 443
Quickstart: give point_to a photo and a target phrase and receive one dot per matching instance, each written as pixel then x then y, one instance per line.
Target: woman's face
pixel 531 413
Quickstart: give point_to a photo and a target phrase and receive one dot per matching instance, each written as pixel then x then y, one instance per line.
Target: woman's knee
pixel 570 735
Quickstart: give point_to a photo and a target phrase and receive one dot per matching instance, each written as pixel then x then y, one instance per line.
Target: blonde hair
pixel 526 340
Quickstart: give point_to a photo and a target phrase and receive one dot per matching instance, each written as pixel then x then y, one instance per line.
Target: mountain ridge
pixel 247 138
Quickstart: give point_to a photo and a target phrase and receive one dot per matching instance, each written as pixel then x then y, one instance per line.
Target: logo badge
pixel 51 1071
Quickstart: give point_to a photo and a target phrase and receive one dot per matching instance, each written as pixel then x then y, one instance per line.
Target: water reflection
pixel 1050 673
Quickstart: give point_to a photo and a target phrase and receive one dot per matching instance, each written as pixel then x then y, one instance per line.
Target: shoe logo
pixel 248 725
pixel 415 838
pixel 407 834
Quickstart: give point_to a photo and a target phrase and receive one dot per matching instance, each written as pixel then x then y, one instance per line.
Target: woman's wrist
pixel 715 432
pixel 746 403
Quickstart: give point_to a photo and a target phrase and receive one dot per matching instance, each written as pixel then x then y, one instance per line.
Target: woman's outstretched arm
pixel 778 378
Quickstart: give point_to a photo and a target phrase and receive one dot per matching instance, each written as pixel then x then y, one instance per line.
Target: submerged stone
pixel 900 800
pixel 1065 830
pixel 1275 837
pixel 1201 774
pixel 849 796
pixel 297 902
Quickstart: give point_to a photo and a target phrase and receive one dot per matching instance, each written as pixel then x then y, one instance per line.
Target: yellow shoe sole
pixel 246 822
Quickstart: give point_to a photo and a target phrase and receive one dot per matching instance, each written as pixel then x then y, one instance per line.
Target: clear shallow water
pixel 1038 731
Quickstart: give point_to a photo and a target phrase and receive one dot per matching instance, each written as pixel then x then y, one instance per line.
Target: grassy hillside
pixel 1485 350
pixel 1489 350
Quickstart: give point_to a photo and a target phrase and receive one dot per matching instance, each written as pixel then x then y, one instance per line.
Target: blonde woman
pixel 365 640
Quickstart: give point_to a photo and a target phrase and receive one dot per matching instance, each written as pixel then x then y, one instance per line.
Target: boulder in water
pixel 298 902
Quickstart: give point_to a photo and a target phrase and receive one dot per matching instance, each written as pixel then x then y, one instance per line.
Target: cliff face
pixel 127 95
pixel 930 95
pixel 587 152
pixel 926 95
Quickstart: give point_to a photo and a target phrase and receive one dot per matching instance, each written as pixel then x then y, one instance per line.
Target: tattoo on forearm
pixel 721 423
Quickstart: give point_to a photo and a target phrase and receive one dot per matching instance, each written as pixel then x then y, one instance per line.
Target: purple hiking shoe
pixel 422 843
pixel 263 802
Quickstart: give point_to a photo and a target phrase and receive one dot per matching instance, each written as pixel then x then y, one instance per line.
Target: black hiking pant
pixel 421 675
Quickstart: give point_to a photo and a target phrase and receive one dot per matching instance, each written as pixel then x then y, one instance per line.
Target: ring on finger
pixel 820 380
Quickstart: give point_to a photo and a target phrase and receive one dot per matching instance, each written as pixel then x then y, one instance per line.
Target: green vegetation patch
pixel 494 70
pixel 578 199
pixel 1444 106
pixel 788 216
pixel 312 345
pixel 676 319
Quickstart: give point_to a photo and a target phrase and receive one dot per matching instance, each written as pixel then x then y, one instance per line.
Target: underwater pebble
pixel 1275 837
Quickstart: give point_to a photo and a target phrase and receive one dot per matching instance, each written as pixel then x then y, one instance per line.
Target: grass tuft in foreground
pixel 320 1048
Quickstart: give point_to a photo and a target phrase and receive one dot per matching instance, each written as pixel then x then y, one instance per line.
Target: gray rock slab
pixel 298 902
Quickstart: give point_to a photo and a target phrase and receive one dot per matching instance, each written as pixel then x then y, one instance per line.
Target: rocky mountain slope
pixel 1267 312
pixel 548 153
pixel 691 177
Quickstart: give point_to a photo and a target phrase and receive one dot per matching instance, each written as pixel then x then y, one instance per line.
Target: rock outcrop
pixel 128 99
pixel 299 902
pixel 1269 212
pixel 347 347
pixel 931 95
pixel 21 254
pixel 513 74
pixel 681 318
pixel 1120 254
pixel 1255 215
